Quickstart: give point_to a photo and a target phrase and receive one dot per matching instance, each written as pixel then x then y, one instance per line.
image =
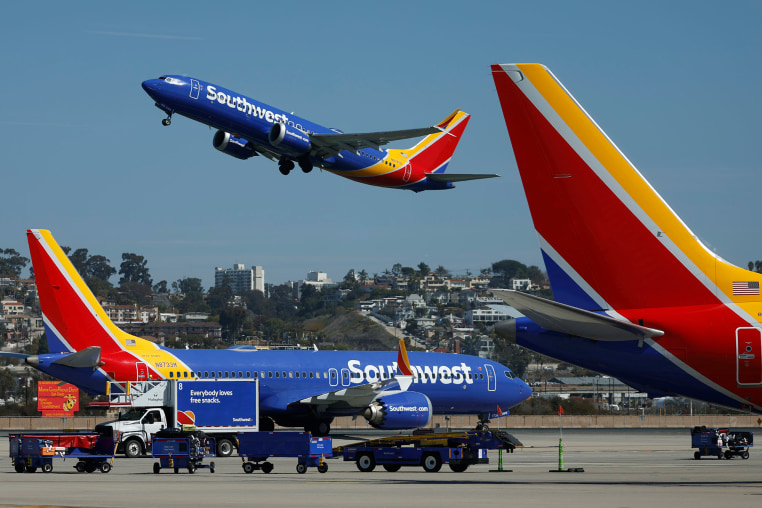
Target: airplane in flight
pixel 296 388
pixel 637 295
pixel 247 128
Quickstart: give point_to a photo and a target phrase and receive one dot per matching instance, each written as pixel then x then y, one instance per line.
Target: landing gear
pixel 285 166
pixel 319 428
pixel 305 164
pixel 167 121
pixel 483 423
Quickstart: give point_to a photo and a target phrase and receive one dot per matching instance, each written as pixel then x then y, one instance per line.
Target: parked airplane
pixel 297 388
pixel 247 128
pixel 637 295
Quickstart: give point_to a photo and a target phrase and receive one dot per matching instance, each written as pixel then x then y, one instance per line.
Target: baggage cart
pixel 182 449
pixel 256 447
pixel 93 452
pixel 721 442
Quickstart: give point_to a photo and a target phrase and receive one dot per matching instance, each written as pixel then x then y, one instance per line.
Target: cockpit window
pixel 171 81
pixel 509 374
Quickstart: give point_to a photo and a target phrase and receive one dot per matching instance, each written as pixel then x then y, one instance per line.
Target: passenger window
pixel 240 374
pixel 290 374
pixel 297 374
pixel 270 374
pixel 206 373
pixel 277 374
pixel 304 374
pixel 248 374
pixel 171 374
pixel 284 373
pixel 219 373
pixel 185 373
pixel 311 375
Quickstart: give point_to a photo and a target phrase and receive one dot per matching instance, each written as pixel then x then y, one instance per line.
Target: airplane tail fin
pixel 74 320
pixel 608 238
pixel 435 150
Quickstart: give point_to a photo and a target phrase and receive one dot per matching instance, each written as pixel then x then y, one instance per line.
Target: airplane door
pixel 491 380
pixel 142 371
pixel 333 377
pixel 749 356
pixel 406 174
pixel 195 89
pixel 344 377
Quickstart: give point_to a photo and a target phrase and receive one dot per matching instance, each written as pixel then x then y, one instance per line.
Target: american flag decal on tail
pixel 746 288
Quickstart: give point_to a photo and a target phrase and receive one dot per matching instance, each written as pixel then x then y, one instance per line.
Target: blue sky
pixel 674 84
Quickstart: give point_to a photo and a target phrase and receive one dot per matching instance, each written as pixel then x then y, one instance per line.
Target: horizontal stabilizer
pixel 573 321
pixel 89 357
pixel 457 177
pixel 20 356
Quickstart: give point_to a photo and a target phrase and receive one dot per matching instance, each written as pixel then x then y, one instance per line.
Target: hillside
pixel 351 330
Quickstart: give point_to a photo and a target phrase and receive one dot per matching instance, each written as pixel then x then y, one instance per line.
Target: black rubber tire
pixel 47 467
pixel 392 468
pixel 322 468
pixel 458 468
pixel 156 468
pixel 19 468
pixel 248 467
pixel 745 455
pixel 133 448
pixel 431 462
pixel 697 455
pixel 267 467
pixel 301 468
pixel 366 462
pixel 225 447
pixel 105 467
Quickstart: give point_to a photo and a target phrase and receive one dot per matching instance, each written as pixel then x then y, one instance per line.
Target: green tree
pixel 134 268
pixel 231 320
pixel 423 269
pixel 11 263
pixel 219 297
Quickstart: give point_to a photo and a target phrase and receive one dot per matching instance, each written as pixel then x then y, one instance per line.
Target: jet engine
pixel 233 145
pixel 290 141
pixel 399 410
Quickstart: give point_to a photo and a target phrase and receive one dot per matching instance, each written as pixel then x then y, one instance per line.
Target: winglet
pixel 402 362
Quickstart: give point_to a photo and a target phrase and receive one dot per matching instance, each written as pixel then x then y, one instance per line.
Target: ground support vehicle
pixel 428 450
pixel 255 447
pixel 220 408
pixel 182 449
pixel 721 442
pixel 93 452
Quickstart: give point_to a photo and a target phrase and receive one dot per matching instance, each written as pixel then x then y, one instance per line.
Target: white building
pixel 240 279
pixel 488 315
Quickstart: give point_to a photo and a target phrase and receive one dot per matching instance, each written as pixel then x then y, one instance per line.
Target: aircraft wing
pixel 457 177
pixel 358 396
pixel 361 396
pixel 332 144
pixel 567 319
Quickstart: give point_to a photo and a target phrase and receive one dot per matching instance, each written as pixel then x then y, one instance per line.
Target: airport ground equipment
pixel 182 449
pixel 428 450
pixel 721 442
pixel 256 447
pixel 92 451
pixel 219 408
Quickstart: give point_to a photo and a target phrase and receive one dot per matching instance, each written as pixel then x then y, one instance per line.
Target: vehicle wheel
pixel 191 468
pixel 728 454
pixel 322 468
pixel 366 462
pixel 211 467
pixel 19 468
pixel 30 469
pixel 458 468
pixel 267 467
pixel 392 468
pixel 697 455
pixel 80 467
pixel 224 447
pixel 166 122
pixel 177 470
pixel 248 467
pixel 301 468
pixel 156 468
pixel 46 468
pixel 105 467
pixel 745 455
pixel 432 463
pixel 133 448
pixel 89 468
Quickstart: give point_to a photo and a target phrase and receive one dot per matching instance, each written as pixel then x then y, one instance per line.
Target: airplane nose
pixel 151 86
pixel 507 330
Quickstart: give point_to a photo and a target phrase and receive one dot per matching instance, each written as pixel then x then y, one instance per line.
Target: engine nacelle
pixel 233 145
pixel 289 141
pixel 399 410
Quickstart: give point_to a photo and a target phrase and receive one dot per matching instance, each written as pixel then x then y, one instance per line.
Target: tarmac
pixel 622 468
